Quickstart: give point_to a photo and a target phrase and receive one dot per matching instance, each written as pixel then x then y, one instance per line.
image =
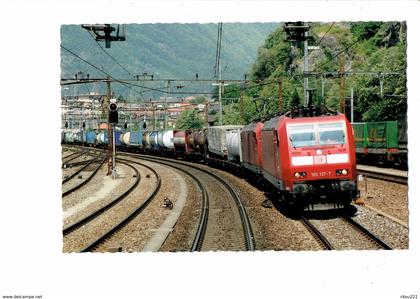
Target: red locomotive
pixel 251 147
pixel 310 160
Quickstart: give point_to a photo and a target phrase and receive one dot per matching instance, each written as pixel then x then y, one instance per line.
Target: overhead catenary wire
pixel 111 55
pixel 317 67
pixel 110 76
pixel 218 50
pixel 126 84
pixel 318 43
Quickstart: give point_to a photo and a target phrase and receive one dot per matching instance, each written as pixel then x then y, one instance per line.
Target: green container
pixel 359 134
pixel 382 134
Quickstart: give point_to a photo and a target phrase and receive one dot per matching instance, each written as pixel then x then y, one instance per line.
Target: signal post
pixel 112 120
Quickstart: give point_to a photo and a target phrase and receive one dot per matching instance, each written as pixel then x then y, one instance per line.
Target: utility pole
pixel 220 98
pixel 381 84
pixel 107 30
pixel 110 134
pixel 341 74
pixel 154 116
pixel 280 94
pixel 221 85
pixel 206 114
pixel 219 70
pixel 241 99
pixel 168 88
pixel 351 104
pixel 305 69
pixel 297 32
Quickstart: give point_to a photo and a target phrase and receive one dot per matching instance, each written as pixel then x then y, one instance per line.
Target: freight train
pixel 310 161
pixel 382 143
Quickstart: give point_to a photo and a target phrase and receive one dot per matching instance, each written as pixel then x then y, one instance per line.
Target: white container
pixel 125 138
pixel 233 141
pixel 146 139
pixel 101 138
pixel 68 137
pixel 168 139
pixel 216 137
pixel 160 138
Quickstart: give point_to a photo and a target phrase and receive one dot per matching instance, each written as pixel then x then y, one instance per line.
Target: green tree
pixel 364 30
pixel 295 100
pixel 189 119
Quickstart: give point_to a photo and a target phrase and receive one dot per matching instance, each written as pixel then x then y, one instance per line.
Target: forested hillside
pixel 166 51
pixel 374 58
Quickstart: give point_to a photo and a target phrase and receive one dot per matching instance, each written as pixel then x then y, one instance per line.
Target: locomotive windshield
pixel 331 133
pixel 302 135
pixel 317 134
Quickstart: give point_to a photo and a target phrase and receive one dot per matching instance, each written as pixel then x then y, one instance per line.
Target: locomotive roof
pixel 249 127
pixel 272 123
pixel 227 127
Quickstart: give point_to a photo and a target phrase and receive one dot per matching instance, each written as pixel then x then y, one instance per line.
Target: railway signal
pixel 113 113
pixel 113 120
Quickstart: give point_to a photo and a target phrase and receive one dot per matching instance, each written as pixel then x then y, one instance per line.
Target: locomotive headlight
pixel 342 172
pixel 298 175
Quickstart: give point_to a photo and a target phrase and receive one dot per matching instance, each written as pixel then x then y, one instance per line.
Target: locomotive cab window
pixel 302 135
pixel 332 133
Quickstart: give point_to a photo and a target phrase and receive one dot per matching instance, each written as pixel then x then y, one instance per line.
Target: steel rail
pixel 132 215
pixel 76 155
pixel 394 178
pixel 79 223
pixel 85 181
pixel 71 155
pixel 322 240
pixel 202 226
pixel 246 224
pixel 366 232
pixel 87 163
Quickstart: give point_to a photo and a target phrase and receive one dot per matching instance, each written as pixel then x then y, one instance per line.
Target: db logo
pixel 320 159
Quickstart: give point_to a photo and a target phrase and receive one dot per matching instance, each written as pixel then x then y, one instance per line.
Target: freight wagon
pixel 381 142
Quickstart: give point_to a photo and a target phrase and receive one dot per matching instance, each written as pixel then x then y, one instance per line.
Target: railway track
pixel 202 226
pixel 101 238
pixel 84 182
pixel 72 157
pixel 85 164
pixel 69 155
pixel 343 233
pixel 200 236
pixel 319 237
pixel 394 176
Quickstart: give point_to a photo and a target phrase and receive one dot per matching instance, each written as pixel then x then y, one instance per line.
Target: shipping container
pixel 168 139
pixel 233 144
pixel 91 137
pixel 125 138
pixel 136 138
pixel 217 142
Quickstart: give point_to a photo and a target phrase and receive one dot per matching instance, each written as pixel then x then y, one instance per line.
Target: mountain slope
pixel 166 51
